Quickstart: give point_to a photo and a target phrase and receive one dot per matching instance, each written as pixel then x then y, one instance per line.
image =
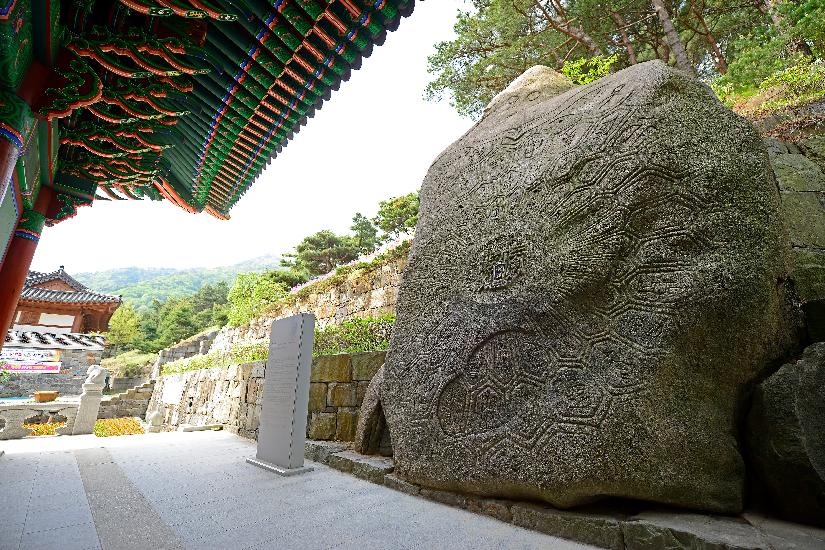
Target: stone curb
pixel 650 529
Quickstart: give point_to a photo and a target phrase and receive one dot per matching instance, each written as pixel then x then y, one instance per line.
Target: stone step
pixel 599 526
pixel 336 455
pixel 205 428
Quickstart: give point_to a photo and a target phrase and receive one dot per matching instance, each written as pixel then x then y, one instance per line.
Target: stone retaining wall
pixel 336 390
pixel 231 396
pixel 132 402
pixel 800 173
pixel 68 381
pixel 367 293
pixel 195 345
pixel 121 384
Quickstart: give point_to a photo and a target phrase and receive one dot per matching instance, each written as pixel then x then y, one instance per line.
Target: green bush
pixel 586 70
pixel 358 335
pixel 128 364
pixel 252 294
pixel 796 85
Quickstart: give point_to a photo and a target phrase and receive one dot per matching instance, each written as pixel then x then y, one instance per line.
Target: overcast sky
pixel 374 139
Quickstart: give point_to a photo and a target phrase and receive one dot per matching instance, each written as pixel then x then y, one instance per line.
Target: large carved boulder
pixel 595 279
pixel 786 437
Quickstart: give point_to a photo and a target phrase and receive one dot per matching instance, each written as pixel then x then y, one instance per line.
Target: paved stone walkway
pixel 194 490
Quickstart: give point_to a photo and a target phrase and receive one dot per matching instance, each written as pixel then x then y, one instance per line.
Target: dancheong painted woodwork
pixel 185 100
pixel 178 100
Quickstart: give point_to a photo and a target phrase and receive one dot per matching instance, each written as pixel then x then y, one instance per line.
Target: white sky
pixel 373 140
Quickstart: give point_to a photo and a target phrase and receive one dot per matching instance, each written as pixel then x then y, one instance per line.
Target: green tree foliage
pixel 740 43
pixel 365 234
pixel 588 69
pixel 322 252
pixel 141 286
pixel 290 278
pixel 124 328
pixel 165 323
pixel 251 294
pixel 398 215
pixel 176 322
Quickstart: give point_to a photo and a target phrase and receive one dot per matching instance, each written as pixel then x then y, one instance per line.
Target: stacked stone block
pixel 196 345
pixel 800 173
pixel 337 387
pixel 231 396
pixel 120 384
pixel 132 402
pixel 369 294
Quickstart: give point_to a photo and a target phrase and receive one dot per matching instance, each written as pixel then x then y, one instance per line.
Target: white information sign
pixel 285 400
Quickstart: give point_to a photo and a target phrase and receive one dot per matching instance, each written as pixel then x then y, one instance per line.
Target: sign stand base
pixel 281 471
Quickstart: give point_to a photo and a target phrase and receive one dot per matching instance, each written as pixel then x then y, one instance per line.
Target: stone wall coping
pixel 261 363
pixel 31 405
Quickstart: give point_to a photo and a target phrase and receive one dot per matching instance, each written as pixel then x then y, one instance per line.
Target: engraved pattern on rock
pixel 549 341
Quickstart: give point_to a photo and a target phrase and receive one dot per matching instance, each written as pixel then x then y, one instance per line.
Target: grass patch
pixel 129 364
pixel 799 84
pixel 111 427
pixel 238 355
pixel 355 336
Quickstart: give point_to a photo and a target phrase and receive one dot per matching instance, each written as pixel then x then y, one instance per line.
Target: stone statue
pixel 596 277
pixel 96 375
pixel 155 420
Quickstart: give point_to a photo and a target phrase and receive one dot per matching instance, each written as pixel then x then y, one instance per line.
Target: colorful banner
pixel 31 368
pixel 25 360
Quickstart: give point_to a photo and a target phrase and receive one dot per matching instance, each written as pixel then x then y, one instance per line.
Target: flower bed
pixel 109 427
pixel 44 428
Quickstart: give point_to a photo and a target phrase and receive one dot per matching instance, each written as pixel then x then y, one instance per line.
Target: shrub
pixel 355 336
pixel 251 295
pixel 358 335
pixel 796 85
pixel 129 364
pixel 586 70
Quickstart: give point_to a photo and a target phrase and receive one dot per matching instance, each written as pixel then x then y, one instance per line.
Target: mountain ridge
pixel 141 286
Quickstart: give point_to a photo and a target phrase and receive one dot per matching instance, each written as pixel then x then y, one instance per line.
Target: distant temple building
pixel 49 346
pixel 57 303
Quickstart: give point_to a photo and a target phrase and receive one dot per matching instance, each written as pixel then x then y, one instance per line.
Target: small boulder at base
pixel 786 438
pixel 597 275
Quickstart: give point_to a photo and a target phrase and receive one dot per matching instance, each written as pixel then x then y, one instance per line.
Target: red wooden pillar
pixel 19 256
pixel 77 326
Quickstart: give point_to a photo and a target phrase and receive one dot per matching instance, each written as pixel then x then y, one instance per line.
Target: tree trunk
pixel 672 36
pixel 563 25
pixel 620 26
pixel 718 56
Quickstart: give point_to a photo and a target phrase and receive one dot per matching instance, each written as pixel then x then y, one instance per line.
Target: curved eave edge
pixel 391 26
